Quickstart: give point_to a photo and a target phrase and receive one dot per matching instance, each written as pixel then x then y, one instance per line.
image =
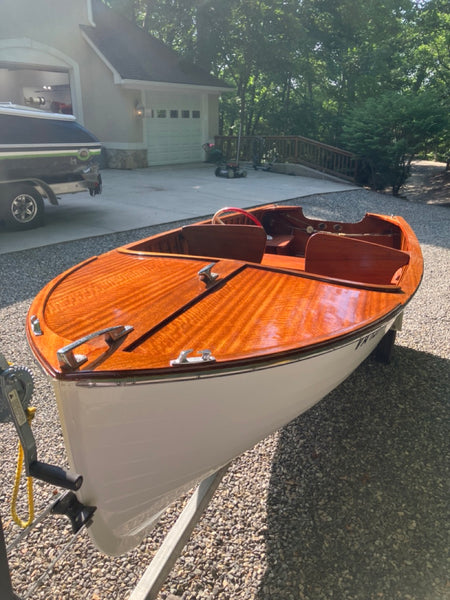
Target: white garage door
pixel 173 126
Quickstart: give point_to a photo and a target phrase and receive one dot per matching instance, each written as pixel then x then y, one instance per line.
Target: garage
pixel 173 128
pixel 86 59
pixel 38 88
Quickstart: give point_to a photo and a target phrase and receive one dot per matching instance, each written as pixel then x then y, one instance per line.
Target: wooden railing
pixel 291 149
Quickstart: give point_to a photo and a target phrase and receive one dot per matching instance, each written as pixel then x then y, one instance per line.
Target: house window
pixel 185 114
pixel 174 114
pixel 161 114
pixel 196 114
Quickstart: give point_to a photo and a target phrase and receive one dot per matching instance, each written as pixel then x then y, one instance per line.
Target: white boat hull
pixel 139 446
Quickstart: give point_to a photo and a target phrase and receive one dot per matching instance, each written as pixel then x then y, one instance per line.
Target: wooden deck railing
pixel 291 149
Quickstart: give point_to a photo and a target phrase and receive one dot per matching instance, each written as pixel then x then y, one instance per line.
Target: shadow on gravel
pixel 27 271
pixel 358 498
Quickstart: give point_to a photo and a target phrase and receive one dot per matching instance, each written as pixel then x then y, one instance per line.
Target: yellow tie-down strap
pixel 29 412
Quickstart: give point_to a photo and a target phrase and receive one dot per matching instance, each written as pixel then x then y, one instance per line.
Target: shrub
pixel 387 132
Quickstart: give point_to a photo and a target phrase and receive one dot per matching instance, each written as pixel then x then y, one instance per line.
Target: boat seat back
pixel 237 242
pixel 353 259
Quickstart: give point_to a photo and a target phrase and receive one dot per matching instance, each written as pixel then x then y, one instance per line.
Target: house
pixel 146 104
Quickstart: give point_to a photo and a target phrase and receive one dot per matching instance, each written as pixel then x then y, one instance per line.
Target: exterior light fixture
pixel 139 110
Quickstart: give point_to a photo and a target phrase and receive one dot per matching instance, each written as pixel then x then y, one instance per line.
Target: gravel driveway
pixel 350 501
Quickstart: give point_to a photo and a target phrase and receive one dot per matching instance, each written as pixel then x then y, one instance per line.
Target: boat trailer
pixel 16 391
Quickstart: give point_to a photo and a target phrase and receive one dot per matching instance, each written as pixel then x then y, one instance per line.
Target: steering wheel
pixel 217 220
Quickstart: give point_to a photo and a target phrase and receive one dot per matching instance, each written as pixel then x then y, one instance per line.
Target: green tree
pixel 301 66
pixel 389 131
pixel 360 47
pixel 430 46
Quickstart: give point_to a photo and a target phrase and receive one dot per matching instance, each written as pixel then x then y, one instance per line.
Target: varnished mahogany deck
pixel 259 307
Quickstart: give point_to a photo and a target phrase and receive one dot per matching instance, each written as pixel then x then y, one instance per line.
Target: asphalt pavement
pixel 133 199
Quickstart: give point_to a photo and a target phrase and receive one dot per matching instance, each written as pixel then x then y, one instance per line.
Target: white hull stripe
pixel 77 145
pixel 30 153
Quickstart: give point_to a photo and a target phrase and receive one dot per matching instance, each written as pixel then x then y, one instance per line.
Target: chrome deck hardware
pixel 183 359
pixel 69 360
pixel 207 275
pixel 35 325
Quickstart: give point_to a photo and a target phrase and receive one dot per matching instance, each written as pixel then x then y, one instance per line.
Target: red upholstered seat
pixel 352 259
pixel 238 242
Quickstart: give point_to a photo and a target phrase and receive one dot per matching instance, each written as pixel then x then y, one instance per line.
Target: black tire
pixel 383 352
pixel 22 206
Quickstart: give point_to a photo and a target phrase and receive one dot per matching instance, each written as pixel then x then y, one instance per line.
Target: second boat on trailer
pixel 172 355
pixel 42 154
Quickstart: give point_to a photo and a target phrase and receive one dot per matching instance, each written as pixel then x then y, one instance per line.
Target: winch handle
pixel 55 475
pixel 13 382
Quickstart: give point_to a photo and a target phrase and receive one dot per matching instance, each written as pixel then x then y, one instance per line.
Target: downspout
pixel 90 14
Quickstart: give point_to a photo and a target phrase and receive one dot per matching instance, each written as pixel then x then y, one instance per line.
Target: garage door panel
pixel 173 140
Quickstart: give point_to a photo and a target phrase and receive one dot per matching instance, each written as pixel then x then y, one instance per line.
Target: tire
pixel 22 206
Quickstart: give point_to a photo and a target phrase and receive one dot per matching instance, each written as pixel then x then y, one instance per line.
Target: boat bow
pixel 163 306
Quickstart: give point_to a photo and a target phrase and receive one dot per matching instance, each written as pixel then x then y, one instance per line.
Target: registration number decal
pixel 366 338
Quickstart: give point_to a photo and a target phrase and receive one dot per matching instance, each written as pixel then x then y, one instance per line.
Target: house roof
pixel 135 55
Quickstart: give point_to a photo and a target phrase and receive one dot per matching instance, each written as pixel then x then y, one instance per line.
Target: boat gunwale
pixel 216 369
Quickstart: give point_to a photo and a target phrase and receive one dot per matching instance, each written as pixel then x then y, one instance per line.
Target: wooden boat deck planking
pixel 366 276
pixel 249 266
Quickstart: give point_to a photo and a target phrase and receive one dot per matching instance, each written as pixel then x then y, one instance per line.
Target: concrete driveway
pixel 156 195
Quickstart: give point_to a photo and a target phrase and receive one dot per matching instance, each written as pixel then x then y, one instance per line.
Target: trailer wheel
pixel 22 206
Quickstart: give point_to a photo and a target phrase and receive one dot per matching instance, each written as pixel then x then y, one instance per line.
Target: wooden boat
pixel 174 354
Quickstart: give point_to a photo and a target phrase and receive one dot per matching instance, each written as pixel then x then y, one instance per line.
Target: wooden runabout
pixel 172 355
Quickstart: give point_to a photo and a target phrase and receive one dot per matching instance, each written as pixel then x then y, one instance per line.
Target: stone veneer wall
pixel 125 159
